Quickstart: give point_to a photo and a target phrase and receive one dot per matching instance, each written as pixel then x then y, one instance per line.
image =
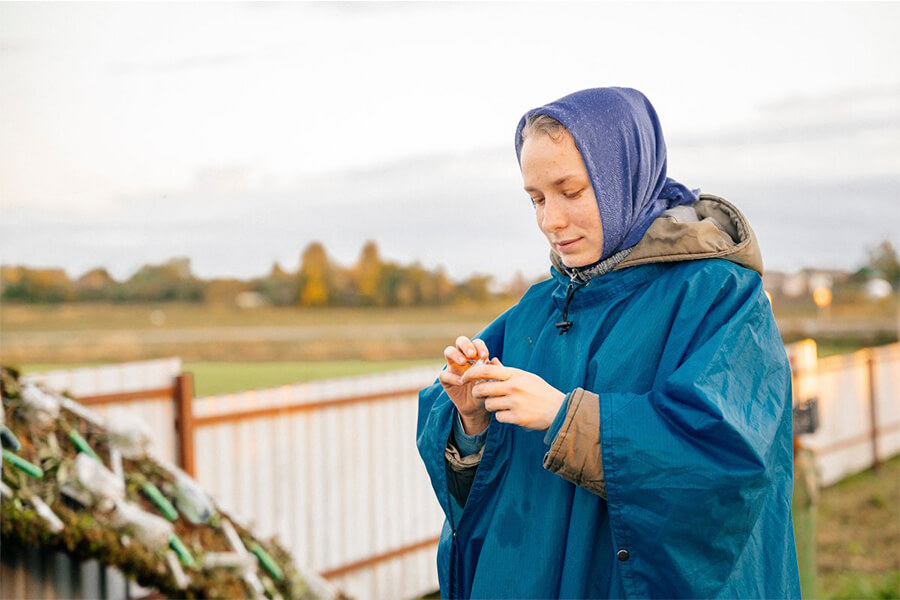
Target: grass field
pixel 104 333
pixel 858 535
pixel 120 333
pixel 99 316
pixel 225 377
pixel 231 349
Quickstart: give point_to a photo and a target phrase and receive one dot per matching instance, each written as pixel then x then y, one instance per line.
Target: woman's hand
pixel 475 418
pixel 517 396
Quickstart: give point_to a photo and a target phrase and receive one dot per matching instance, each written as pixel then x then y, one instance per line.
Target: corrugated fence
pixel 331 468
pixel 859 406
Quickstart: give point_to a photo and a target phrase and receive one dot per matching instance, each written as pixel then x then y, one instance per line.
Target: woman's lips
pixel 563 247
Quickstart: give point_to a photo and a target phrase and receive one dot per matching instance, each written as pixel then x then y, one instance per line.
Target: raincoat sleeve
pixel 434 427
pixel 688 465
pixel 574 439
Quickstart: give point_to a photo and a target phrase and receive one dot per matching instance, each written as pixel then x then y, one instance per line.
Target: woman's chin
pixel 574 261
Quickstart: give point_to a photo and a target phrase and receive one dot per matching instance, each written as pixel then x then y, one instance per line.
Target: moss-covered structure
pixel 202 560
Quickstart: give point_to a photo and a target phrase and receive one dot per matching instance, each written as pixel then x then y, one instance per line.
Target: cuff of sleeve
pixel 467 444
pixel 462 464
pixel 575 452
pixel 557 421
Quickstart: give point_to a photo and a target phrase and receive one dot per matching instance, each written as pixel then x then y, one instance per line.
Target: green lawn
pixel 224 377
pixel 858 535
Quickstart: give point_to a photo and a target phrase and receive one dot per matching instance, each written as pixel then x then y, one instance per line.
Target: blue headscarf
pixel 621 142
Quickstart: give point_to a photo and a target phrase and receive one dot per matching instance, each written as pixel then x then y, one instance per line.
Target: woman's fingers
pixel 484 389
pixel 482 349
pixel 504 416
pixel 447 377
pixel 487 371
pixel 453 355
pixel 495 403
pixel 466 346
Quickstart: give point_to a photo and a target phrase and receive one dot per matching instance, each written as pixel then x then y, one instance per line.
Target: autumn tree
pixel 172 280
pixel 36 285
pixel 96 284
pixel 368 274
pixel 314 278
pixel 279 287
pixel 475 288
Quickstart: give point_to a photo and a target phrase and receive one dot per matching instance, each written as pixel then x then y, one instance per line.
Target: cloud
pixel 170 65
pixel 844 98
pixel 840 115
pixel 12 48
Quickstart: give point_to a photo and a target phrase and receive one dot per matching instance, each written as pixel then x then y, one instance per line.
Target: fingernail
pixel 461 381
pixel 470 353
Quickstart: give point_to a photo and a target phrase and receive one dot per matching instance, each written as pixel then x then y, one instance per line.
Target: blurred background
pixel 275 194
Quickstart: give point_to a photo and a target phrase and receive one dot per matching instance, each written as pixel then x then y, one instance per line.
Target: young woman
pixel 630 436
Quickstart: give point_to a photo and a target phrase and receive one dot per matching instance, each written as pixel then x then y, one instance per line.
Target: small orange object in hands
pixel 459 369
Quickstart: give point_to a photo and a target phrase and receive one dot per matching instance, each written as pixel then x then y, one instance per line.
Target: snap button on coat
pixel 622 555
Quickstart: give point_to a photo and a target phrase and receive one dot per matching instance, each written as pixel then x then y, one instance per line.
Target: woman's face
pixel 564 202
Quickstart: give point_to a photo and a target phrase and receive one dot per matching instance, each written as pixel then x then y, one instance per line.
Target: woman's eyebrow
pixel 558 182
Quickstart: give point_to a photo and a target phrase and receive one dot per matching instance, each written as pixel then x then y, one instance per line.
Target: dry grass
pixel 118 333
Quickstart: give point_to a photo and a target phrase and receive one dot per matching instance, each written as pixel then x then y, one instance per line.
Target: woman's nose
pixel 553 217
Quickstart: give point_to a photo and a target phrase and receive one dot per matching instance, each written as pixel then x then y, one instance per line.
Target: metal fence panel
pixel 34 573
pixel 341 485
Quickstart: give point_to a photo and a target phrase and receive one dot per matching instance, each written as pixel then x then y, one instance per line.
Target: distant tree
pixel 391 278
pixel 36 285
pixel 279 287
pixel 474 288
pixel 225 291
pixel 96 284
pixel 277 272
pixel 444 287
pixel 884 262
pixel 517 286
pixel 343 287
pixel 314 277
pixel 368 274
pixel 422 284
pixel 169 281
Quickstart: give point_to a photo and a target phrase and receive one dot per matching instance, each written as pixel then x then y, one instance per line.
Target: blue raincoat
pixel 695 413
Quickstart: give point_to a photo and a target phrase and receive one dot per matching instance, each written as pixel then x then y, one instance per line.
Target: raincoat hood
pixel 620 139
pixel 712 227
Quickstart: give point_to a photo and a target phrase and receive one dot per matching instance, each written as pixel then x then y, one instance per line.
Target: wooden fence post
pixel 804 506
pixel 184 421
pixel 873 409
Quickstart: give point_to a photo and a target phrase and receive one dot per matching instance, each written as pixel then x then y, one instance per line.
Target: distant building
pixel 250 300
pixel 877 288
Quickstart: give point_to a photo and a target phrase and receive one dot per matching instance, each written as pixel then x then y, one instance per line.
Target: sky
pixel 236 134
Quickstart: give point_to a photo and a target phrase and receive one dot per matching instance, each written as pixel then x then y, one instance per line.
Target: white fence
pixel 146 388
pixel 859 407
pixel 332 470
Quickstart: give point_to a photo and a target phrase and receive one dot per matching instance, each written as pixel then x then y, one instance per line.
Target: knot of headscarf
pixel 618 134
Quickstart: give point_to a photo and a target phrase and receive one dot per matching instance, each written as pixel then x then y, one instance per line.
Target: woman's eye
pixel 537 201
pixel 573 195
